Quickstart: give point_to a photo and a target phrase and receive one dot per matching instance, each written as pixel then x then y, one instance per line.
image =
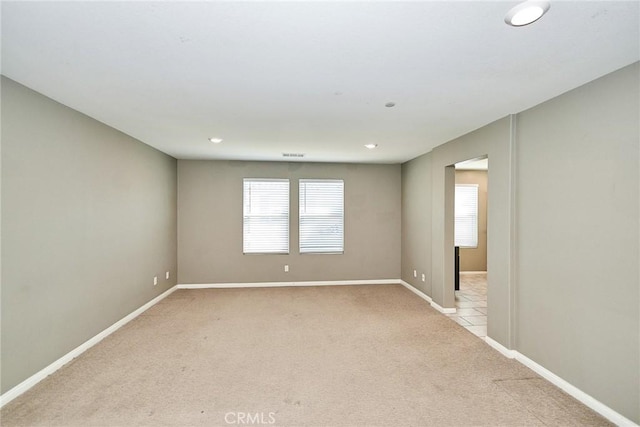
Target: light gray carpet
pixel 318 356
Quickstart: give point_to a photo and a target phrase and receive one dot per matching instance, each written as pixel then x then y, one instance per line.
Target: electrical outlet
pixel 424 278
pixel 415 273
pixel 286 268
pixel 166 275
pixel 155 280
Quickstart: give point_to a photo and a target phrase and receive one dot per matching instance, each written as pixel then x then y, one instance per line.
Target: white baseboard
pixel 283 284
pixel 317 283
pixel 581 396
pixel 564 385
pixel 511 354
pixel 428 299
pixel 442 309
pixel 416 291
pixel 45 372
pixel 574 391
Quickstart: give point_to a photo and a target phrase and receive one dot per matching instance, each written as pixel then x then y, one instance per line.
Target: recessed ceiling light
pixel 371 146
pixel 215 140
pixel 526 13
pixel 390 104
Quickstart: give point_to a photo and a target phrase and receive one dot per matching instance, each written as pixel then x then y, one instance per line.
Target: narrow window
pixel 321 216
pixel 265 221
pixel 466 212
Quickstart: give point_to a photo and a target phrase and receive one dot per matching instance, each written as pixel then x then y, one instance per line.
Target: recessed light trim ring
pixel 526 13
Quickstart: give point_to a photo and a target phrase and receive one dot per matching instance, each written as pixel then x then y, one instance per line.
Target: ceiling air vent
pixel 293 155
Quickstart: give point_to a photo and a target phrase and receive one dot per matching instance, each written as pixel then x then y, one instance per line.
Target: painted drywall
pixel 578 216
pixel 475 259
pixel 563 270
pixel 210 223
pixel 416 222
pixel 88 219
pixel 494 141
pixel 428 187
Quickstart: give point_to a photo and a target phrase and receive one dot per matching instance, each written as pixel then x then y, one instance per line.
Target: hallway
pixel 471 303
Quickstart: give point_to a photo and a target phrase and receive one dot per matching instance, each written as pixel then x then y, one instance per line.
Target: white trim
pixel 442 309
pixel 574 391
pixel 511 354
pixel 416 291
pixel 564 385
pixel 45 372
pixel 472 272
pixel 283 284
pixel 233 285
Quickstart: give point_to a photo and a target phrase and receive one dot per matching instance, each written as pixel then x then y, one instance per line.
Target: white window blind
pixel 321 216
pixel 265 216
pixel 466 208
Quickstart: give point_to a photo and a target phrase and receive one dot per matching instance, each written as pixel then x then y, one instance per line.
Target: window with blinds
pixel 321 216
pixel 466 213
pixel 265 221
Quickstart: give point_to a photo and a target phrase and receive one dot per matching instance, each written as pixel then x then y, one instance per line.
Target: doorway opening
pixel 470 245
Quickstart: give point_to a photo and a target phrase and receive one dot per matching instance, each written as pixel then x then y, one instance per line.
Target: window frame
pixel 474 233
pixel 245 216
pixel 302 213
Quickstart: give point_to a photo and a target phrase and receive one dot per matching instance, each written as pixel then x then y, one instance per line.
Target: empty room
pixel 323 213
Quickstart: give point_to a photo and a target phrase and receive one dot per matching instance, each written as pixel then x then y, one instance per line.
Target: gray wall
pixel 428 190
pixel 416 222
pixel 210 223
pixel 563 233
pixel 475 259
pixel 88 219
pixel 429 181
pixel 578 235
pixel 494 141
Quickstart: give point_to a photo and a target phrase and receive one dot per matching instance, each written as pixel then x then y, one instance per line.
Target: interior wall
pixel 563 250
pixel 210 223
pixel 475 259
pixel 416 222
pixel 494 141
pixel 88 219
pixel 428 189
pixel 578 238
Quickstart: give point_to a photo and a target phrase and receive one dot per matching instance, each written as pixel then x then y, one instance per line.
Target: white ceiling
pixel 308 77
pixel 473 165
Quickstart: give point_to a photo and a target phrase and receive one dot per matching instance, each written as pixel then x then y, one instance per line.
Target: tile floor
pixel 471 303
